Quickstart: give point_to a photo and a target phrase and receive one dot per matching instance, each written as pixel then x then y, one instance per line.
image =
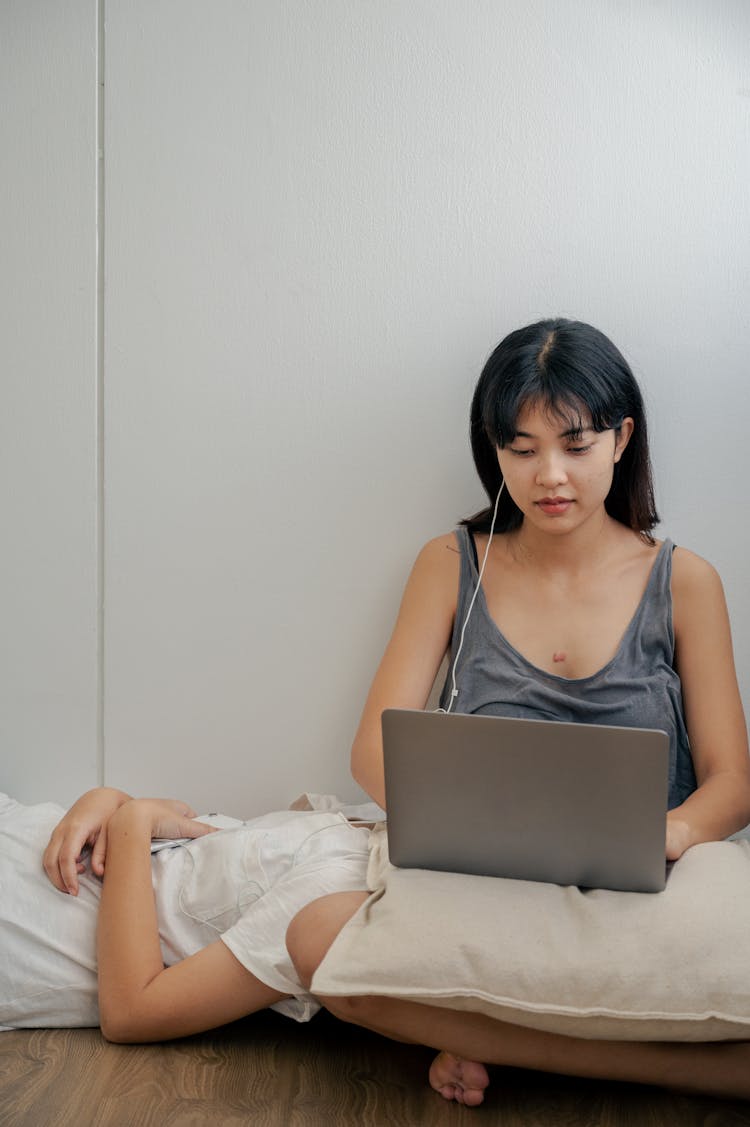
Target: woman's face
pixel 559 477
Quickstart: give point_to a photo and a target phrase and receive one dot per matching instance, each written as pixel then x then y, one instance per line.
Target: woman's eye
pixel 520 453
pixel 579 449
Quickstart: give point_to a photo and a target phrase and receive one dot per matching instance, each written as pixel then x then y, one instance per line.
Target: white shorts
pixel 246 885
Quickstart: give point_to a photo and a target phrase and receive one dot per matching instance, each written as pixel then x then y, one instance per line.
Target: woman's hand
pixel 679 837
pixel 161 818
pixel 84 825
pixel 87 825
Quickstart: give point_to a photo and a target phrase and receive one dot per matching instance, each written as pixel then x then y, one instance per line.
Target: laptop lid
pixel 544 800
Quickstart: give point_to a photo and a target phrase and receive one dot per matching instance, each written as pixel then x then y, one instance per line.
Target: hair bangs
pixel 576 405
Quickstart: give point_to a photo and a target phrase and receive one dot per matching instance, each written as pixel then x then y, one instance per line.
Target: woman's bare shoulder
pixel 692 573
pixel 437 567
pixel 439 544
pixel 697 591
pixel 442 552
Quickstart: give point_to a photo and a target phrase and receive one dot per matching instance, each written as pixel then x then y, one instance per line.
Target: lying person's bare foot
pixel 461 1080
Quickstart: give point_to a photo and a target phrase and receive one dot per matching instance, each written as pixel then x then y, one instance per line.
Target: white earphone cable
pixel 454 687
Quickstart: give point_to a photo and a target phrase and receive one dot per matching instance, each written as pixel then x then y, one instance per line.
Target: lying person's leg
pixel 720 1069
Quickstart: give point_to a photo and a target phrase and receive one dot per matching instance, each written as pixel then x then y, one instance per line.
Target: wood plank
pixel 271 1071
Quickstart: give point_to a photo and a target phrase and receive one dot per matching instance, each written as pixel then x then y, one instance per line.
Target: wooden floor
pixel 269 1071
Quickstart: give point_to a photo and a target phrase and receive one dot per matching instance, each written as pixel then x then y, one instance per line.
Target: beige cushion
pixel 673 965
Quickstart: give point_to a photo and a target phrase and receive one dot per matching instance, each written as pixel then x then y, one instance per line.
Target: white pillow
pixel 673 965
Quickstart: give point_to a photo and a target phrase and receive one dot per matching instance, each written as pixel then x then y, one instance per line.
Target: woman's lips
pixel 554 506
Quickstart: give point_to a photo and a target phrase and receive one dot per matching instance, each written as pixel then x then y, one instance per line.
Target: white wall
pixel 319 218
pixel 48 410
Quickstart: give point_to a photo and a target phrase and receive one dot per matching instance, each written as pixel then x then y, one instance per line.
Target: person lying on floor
pixel 170 942
pixel 577 613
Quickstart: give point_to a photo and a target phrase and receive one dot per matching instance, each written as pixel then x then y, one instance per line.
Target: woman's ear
pixel 622 436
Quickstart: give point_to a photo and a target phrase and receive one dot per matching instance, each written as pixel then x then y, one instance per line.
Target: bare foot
pixel 461 1080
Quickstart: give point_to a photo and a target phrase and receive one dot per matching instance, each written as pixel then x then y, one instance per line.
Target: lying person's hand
pixel 163 818
pixel 83 827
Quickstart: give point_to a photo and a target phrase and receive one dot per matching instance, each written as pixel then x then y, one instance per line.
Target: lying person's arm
pixel 140 999
pixel 84 825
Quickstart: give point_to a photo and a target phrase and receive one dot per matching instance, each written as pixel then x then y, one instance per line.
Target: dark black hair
pixel 575 372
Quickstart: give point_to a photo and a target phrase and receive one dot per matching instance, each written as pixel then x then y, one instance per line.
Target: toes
pixel 473 1096
pixel 459 1080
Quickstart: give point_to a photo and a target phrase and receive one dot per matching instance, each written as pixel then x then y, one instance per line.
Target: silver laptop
pixel 543 800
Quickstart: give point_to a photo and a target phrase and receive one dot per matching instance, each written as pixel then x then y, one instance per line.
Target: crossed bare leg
pixel 719 1069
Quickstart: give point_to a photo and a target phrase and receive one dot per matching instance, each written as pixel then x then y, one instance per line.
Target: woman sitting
pixel 576 613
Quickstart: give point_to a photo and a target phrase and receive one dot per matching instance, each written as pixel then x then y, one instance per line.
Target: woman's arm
pixel 713 709
pixel 140 999
pixel 412 658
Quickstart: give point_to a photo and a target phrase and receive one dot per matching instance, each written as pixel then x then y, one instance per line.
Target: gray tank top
pixel 638 688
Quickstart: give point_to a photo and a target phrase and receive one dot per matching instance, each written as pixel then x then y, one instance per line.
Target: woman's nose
pixel 550 471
